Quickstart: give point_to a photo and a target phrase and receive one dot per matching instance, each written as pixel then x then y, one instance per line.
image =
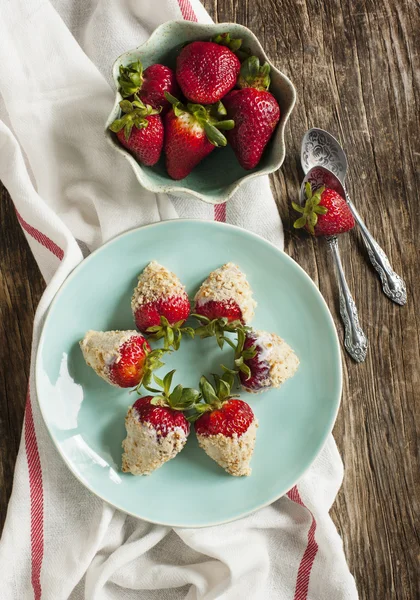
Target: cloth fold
pixel 72 192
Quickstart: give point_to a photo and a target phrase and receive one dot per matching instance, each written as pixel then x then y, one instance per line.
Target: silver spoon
pixel 320 148
pixel 355 340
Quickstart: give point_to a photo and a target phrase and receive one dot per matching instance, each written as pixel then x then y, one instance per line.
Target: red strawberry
pixel 156 428
pixel 264 360
pixel 223 302
pixel 191 133
pixel 150 85
pixel 140 130
pixel 206 71
pixel 325 212
pixel 122 358
pixel 226 427
pixel 255 112
pixel 160 305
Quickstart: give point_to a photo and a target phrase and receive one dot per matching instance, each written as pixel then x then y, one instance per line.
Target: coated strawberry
pixel 160 305
pixel 156 428
pixel 223 303
pixel 122 358
pixel 225 426
pixel 206 71
pixel 191 133
pixel 325 212
pixel 140 130
pixel 150 85
pixel 263 360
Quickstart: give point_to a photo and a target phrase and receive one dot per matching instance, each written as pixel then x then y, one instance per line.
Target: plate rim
pixel 216 224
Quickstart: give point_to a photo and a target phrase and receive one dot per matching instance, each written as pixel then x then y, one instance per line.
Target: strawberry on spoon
pixel 157 429
pixel 150 85
pixel 192 132
pixel 325 212
pixel 140 130
pixel 225 426
pixel 160 305
pixel 122 358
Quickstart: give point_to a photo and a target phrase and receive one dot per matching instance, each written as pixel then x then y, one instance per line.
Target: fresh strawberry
pixel 223 303
pixel 160 305
pixel 122 358
pixel 191 133
pixel 263 360
pixel 140 130
pixel 225 426
pixel 325 212
pixel 157 430
pixel 206 71
pixel 255 112
pixel 150 85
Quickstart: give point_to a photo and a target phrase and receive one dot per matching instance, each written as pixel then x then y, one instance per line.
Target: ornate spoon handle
pixel 392 284
pixel 355 340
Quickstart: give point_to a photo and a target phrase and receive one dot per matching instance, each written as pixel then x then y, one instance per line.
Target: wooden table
pixel 355 65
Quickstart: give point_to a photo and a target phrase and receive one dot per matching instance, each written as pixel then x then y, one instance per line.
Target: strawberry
pixel 157 430
pixel 225 426
pixel 191 133
pixel 255 112
pixel 150 85
pixel 122 358
pixel 140 130
pixel 325 212
pixel 160 305
pixel 263 360
pixel 223 303
pixel 206 71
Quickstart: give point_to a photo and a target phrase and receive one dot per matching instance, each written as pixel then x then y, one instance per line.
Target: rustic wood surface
pixel 355 64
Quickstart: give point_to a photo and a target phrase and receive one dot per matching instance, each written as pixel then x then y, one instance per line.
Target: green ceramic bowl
pixel 218 177
pixel 85 415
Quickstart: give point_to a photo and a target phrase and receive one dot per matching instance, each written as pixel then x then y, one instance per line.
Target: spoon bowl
pixel 318 176
pixel 320 148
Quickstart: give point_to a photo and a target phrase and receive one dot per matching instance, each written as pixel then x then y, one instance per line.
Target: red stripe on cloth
pixel 220 212
pixel 36 499
pixel 187 10
pixel 41 238
pixel 305 567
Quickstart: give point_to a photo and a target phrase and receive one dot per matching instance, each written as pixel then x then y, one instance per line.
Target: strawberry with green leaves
pixel 225 426
pixel 149 84
pixel 160 305
pixel 157 429
pixel 140 130
pixel 122 358
pixel 255 111
pixel 192 132
pixel 325 212
pixel 206 71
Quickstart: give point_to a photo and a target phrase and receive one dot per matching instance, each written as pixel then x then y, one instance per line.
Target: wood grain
pixel 355 64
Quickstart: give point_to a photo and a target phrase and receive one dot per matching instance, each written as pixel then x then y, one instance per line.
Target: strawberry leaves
pixel 152 363
pixel 180 399
pixel 210 118
pixel 242 355
pixel 254 75
pixel 171 334
pixel 217 328
pixel 136 114
pixel 311 210
pixel 130 79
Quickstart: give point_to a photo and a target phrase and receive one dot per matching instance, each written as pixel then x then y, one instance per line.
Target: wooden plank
pixel 355 65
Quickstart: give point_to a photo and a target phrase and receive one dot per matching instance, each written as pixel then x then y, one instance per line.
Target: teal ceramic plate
pixel 85 416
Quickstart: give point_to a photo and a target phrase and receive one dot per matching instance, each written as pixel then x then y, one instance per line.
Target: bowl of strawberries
pixel 199 110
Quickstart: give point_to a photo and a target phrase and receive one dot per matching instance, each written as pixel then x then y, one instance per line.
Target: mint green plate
pixel 85 416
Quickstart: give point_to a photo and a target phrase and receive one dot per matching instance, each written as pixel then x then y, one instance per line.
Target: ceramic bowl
pixel 218 176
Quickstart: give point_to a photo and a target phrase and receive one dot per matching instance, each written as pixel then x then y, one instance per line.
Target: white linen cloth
pixel 72 192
